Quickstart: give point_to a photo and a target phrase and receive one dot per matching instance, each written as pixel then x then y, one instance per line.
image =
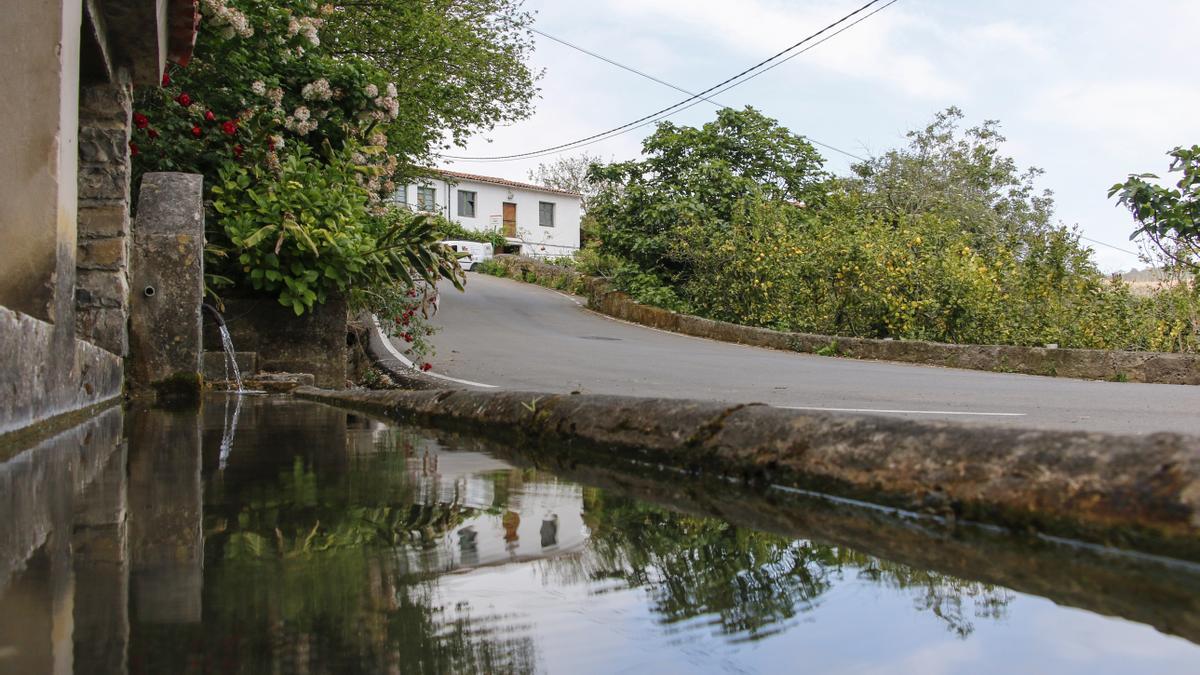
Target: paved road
pixel 519 336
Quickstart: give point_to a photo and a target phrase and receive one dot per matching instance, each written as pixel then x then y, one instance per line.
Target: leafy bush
pixel 292 112
pixel 945 240
pixel 303 231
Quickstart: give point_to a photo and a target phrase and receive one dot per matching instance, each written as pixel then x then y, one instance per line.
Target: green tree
pixel 698 175
pixel 441 54
pixel 959 175
pixel 1170 217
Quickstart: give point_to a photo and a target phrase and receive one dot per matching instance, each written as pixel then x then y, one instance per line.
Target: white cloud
pixel 1136 113
pixel 757 28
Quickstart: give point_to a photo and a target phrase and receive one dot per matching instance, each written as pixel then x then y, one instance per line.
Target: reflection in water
pixel 318 541
pixel 230 424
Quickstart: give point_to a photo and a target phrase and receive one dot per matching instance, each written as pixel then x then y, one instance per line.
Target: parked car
pixel 475 252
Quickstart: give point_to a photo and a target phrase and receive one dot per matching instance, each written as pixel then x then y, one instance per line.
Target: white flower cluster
pixel 275 95
pixel 277 142
pixel 299 121
pixel 389 106
pixel 306 26
pixel 317 91
pixel 259 88
pixel 231 21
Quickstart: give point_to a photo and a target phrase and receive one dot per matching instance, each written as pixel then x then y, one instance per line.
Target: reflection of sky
pixel 858 627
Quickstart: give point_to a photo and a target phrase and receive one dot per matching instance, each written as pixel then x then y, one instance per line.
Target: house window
pixel 466 204
pixel 425 199
pixel 400 196
pixel 546 214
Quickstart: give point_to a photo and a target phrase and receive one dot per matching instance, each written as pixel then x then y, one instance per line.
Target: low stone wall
pixel 45 371
pixel 312 343
pixel 1138 492
pixel 1090 364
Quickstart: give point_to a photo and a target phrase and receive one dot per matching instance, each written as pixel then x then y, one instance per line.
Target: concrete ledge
pixel 45 371
pixel 1089 364
pixel 1140 493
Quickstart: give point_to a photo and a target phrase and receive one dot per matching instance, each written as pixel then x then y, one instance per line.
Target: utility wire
pixel 681 89
pixel 694 97
pixel 1104 243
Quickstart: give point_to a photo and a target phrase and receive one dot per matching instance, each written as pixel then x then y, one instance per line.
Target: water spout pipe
pixel 215 314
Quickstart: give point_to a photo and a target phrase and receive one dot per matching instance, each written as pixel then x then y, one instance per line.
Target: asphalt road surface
pixel 513 335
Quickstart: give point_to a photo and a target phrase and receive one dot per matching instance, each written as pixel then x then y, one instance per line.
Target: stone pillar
pixel 102 281
pixel 168 286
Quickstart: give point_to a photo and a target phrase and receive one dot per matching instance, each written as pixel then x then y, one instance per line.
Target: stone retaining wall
pixel 1137 492
pixel 313 343
pixel 1090 364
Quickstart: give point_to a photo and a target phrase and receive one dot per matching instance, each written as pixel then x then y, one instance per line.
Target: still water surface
pixel 316 541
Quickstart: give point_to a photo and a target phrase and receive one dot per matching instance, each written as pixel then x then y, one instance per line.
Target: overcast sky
pixel 1089 90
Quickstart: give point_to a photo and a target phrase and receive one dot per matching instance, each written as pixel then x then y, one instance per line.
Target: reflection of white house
pixel 537 221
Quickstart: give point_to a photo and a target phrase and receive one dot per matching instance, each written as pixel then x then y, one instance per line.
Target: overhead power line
pixel 688 102
pixel 681 89
pixel 1104 243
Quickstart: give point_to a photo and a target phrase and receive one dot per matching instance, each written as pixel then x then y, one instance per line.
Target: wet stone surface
pixel 264 534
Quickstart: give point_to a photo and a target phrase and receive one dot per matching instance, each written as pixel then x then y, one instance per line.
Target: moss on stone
pixel 179 389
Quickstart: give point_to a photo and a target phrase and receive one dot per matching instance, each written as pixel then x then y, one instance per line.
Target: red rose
pixel 229 127
pixel 270 143
pixel 426 367
pixel 238 150
pixel 196 132
pixel 140 121
pixel 209 116
pixel 133 149
pixel 184 100
pixel 166 79
pixel 152 133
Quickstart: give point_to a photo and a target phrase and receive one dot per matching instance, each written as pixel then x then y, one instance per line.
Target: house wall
pixel 67 68
pixel 562 239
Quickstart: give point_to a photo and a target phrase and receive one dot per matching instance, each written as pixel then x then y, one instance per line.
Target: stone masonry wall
pixel 102 263
pixel 313 343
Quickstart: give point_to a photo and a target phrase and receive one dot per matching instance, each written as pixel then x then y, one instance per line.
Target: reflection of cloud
pixel 933 659
pixel 1094 639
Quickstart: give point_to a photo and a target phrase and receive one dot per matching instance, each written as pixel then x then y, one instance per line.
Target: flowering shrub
pixel 293 142
pixel 404 314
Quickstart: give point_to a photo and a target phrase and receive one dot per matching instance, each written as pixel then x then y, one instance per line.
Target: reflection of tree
pixel 955 601
pixel 752 582
pixel 333 571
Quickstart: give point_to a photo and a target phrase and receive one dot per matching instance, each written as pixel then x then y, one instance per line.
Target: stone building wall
pixel 102 258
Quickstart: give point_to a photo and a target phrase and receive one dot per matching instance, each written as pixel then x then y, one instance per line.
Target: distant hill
pixel 1141 276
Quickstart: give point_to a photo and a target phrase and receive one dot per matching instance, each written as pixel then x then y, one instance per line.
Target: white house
pixel 537 221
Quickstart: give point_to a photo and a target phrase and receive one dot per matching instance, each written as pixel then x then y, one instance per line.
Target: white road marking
pixel 902 412
pixel 387 344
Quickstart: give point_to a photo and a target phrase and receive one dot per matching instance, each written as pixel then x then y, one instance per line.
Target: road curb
pixel 1087 364
pixel 1131 492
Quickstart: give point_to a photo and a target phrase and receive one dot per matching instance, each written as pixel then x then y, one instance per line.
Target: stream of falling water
pixel 230 358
